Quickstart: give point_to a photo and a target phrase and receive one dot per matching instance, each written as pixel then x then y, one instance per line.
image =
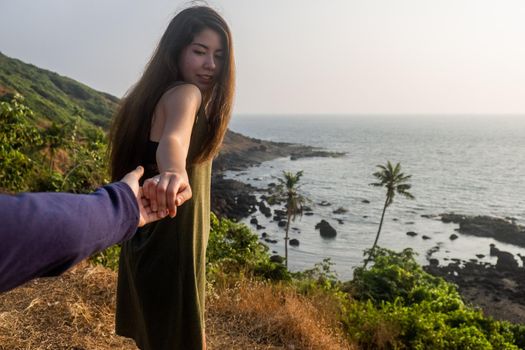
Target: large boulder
pixel 506 261
pixel 325 229
pixel 493 250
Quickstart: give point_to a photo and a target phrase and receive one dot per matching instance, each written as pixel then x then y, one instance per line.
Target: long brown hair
pixel 132 123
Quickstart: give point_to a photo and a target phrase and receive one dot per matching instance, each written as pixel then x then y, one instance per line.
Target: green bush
pixel 518 330
pixel 395 275
pixel 398 305
pixel 27 154
pixel 18 142
pixel 108 258
pixel 233 247
pixel 321 276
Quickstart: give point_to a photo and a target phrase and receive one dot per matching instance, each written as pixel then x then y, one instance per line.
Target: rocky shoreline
pixel 234 199
pixel 240 152
pixel 499 290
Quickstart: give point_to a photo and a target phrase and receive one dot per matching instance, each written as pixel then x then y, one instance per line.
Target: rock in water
pixel 493 250
pixel 294 242
pixel 506 262
pixel 411 233
pixel 325 229
pixel 453 236
pixel 266 211
pixel 503 230
pixel 433 262
pixel 340 210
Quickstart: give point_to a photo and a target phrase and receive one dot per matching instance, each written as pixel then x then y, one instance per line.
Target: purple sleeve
pixel 44 234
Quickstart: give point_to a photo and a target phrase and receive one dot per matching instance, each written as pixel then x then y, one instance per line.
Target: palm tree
pixel 395 182
pixel 287 191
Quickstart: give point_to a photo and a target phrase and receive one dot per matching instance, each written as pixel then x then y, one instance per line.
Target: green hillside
pixel 52 97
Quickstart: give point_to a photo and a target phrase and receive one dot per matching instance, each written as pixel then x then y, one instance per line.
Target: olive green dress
pixel 161 280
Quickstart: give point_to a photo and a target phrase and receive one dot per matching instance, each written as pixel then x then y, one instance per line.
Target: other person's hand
pixel 146 214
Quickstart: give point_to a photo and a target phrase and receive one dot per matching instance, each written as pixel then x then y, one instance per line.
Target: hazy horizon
pixel 409 57
pixel 518 119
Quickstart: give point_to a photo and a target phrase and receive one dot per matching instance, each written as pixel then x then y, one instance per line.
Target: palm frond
pixel 391 177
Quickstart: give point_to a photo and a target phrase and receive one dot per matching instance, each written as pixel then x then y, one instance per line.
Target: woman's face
pixel 202 60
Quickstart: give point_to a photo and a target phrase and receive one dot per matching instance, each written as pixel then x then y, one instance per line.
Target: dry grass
pixel 76 311
pixel 274 316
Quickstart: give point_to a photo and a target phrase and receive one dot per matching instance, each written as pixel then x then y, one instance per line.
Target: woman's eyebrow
pixel 205 47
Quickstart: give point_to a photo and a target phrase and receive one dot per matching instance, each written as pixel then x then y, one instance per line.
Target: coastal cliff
pixel 235 199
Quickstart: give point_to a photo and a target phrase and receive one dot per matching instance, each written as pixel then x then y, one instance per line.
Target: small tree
pixel 56 137
pixel 286 191
pixel 19 140
pixel 394 181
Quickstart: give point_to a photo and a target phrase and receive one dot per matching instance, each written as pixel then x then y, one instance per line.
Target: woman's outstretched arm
pixel 176 113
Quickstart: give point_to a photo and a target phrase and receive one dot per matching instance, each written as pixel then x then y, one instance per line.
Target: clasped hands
pixel 160 195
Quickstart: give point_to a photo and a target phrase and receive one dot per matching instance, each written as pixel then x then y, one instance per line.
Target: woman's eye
pixel 198 52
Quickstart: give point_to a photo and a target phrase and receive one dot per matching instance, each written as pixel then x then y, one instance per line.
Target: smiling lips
pixel 207 78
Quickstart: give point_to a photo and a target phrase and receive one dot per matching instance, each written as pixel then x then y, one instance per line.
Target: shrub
pixel 401 306
pixel 233 248
pixel 18 141
pixel 108 258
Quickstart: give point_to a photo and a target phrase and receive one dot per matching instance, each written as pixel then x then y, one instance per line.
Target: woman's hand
pixel 146 214
pixel 167 191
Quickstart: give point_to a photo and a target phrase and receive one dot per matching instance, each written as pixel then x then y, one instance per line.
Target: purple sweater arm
pixel 44 234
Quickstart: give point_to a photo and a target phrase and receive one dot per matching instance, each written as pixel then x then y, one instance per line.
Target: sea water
pixel 472 165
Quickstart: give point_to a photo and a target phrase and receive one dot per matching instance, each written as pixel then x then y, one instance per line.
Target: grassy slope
pixel 51 96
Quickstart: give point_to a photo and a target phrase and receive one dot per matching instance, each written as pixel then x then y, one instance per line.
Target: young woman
pixel 173 122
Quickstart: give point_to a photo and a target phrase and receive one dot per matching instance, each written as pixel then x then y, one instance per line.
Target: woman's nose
pixel 210 62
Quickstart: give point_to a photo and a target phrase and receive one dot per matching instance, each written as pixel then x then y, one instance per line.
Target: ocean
pixel 472 165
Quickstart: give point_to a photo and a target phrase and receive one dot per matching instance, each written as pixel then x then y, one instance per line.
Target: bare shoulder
pixel 176 111
pixel 181 97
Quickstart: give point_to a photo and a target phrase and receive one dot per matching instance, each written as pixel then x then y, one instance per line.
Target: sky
pixel 300 56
